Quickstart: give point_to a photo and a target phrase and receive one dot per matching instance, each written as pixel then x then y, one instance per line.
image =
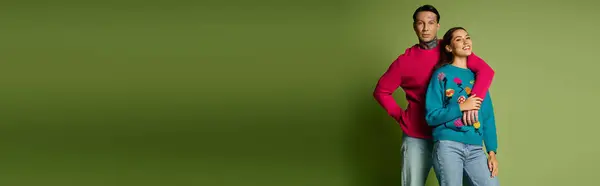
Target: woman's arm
pixel 490 137
pixel 484 74
pixel 438 110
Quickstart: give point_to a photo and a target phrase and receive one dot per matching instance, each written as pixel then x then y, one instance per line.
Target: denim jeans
pixel 416 160
pixel 453 161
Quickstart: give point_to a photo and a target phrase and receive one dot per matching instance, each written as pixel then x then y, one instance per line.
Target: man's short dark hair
pixel 423 8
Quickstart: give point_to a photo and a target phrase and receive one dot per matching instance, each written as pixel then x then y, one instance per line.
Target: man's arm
pixel 484 74
pixel 437 112
pixel 387 84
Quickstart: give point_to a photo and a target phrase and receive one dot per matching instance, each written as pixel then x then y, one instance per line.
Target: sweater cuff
pixel 492 149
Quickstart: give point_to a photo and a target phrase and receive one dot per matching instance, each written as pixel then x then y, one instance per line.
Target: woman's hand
pixel 470 117
pixel 472 103
pixel 493 164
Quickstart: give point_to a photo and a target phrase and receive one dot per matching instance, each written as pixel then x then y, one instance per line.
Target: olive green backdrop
pixel 274 92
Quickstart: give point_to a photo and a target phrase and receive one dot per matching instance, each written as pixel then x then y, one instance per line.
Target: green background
pixel 274 92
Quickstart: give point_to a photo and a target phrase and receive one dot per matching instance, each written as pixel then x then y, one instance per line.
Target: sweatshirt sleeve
pixel 438 110
pixel 484 75
pixel 490 137
pixel 387 84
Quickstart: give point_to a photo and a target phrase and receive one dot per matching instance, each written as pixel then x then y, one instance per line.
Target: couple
pixel 446 119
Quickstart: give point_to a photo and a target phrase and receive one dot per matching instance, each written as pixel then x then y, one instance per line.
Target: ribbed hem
pixel 417 135
pixel 468 137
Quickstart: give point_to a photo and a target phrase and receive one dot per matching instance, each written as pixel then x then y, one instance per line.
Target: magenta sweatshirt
pixel 411 71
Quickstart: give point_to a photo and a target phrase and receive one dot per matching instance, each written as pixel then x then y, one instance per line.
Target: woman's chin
pixel 465 54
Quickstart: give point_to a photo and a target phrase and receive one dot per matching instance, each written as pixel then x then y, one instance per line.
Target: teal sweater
pixel 449 86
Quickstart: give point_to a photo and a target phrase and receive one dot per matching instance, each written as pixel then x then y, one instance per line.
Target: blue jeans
pixel 416 160
pixel 455 160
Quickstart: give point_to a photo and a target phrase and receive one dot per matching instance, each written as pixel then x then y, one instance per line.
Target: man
pixel 411 71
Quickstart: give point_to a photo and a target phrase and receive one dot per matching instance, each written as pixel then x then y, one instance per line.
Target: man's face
pixel 426 26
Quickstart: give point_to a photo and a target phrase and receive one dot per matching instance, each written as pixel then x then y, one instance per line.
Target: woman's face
pixel 460 45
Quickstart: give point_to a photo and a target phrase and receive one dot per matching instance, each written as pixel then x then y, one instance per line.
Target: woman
pixel 458 148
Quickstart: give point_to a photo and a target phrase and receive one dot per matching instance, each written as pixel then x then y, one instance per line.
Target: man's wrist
pixel 492 154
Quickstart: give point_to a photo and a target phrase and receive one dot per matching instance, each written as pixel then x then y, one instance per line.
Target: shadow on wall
pixel 375 140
